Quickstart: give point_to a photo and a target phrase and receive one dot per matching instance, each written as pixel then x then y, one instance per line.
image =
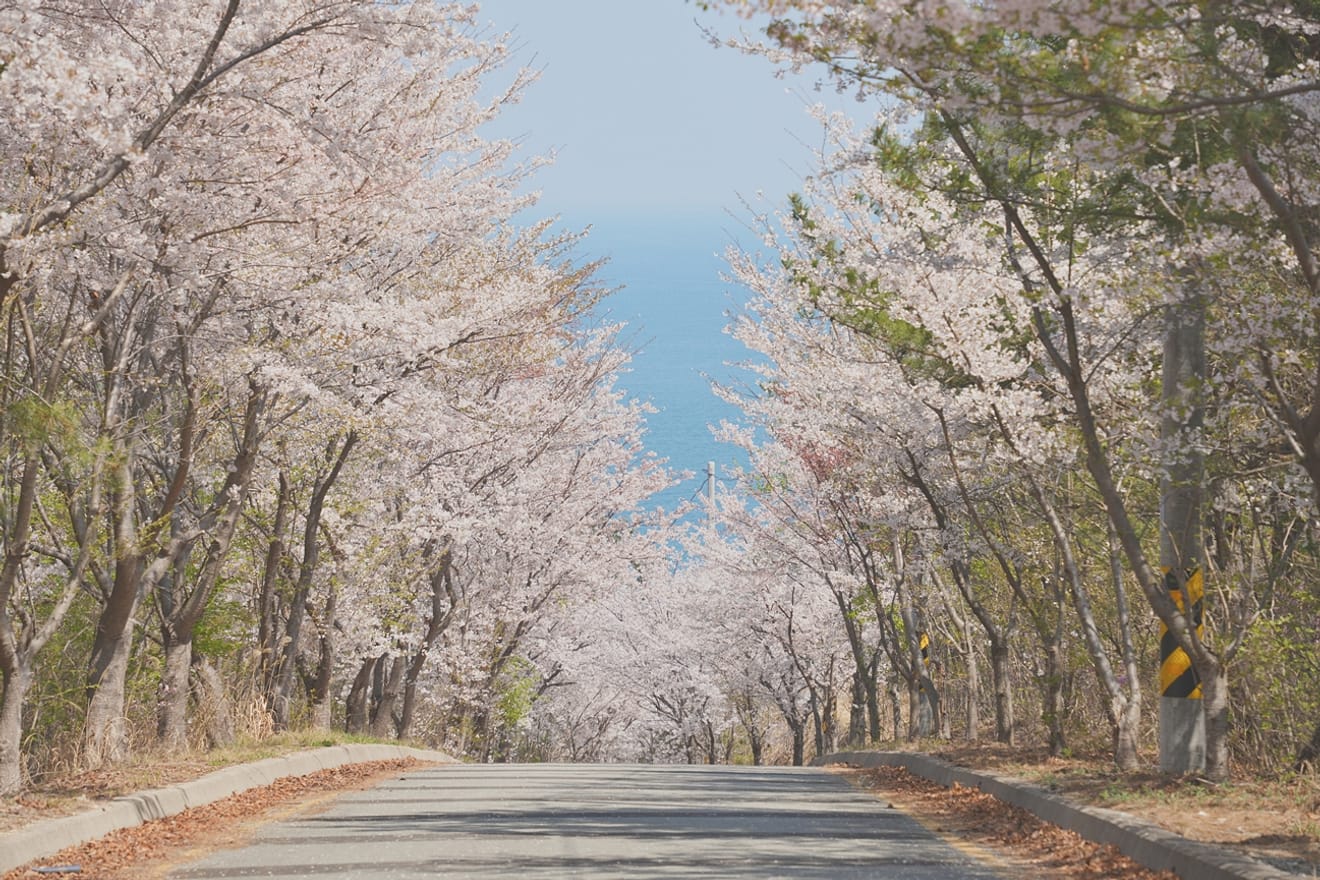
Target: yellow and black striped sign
pixel 1177 677
pixel 924 641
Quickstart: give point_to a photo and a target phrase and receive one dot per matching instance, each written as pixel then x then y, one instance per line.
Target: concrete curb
pixel 46 838
pixel 1137 839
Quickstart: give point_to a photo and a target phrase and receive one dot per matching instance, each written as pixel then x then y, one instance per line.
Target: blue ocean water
pixel 676 306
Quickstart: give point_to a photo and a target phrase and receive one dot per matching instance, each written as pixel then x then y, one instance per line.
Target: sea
pixel 669 272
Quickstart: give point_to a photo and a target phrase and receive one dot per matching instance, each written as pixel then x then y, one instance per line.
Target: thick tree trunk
pixel 281 698
pixel 829 736
pixel 356 711
pixel 16 681
pixel 382 719
pixel 930 695
pixel 320 707
pixel 172 724
pixel 106 727
pixel 1003 689
pixel 799 743
pixel 318 684
pixel 857 711
pixel 1214 689
pixel 822 706
pixel 320 715
pixel 408 706
pixel 914 708
pixel 15 668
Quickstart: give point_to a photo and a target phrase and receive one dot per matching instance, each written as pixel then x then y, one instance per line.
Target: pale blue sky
pixel 645 115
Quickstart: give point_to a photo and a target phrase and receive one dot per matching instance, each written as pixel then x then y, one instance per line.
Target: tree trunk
pixel 857 711
pixel 269 631
pixel 320 715
pixel 1053 708
pixel 408 707
pixel 16 680
pixel 172 723
pixel 318 683
pixel 1127 712
pixel 1127 737
pixel 799 742
pixel 444 605
pixel 973 684
pixel 1214 702
pixel 106 736
pixel 895 708
pixel 817 724
pixel 932 709
pixel 873 697
pixel 15 668
pixel 914 708
pixel 281 697
pixel 999 677
pixel 356 712
pixel 382 719
pixel 864 681
pixel 829 736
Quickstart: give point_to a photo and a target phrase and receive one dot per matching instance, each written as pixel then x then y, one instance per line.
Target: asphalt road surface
pixel 599 821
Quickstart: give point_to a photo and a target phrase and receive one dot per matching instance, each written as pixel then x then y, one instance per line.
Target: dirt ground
pixel 1275 820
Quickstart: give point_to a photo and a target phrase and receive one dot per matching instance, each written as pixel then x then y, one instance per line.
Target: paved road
pixel 600 821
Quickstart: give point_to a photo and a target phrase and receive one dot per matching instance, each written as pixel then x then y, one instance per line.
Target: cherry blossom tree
pixel 1173 123
pixel 290 208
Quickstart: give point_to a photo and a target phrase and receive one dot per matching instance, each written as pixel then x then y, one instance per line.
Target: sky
pixel 660 141
pixel 644 115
